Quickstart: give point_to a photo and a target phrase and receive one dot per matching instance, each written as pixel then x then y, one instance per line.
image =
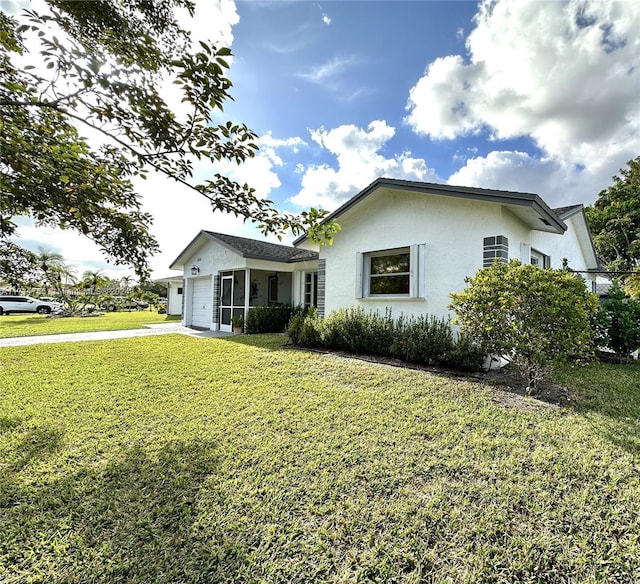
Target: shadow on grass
pixel 134 519
pixel 26 443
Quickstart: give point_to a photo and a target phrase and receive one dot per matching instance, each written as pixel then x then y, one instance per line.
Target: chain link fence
pixel 599 281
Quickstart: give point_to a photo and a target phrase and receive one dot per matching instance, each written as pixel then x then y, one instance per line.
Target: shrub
pixel 304 328
pixel 465 355
pixel 535 318
pixel 617 323
pixel 353 330
pixel 268 319
pixel 422 339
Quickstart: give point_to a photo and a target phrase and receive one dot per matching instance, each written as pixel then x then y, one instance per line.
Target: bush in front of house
pixel 617 323
pixel 424 339
pixel 268 319
pixel 304 328
pixel 535 318
pixel 356 331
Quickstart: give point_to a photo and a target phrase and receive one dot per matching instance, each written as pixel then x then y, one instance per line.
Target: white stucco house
pixel 175 285
pixel 402 245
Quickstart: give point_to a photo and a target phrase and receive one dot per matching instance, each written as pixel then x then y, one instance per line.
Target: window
pixel 310 289
pixel 540 259
pixel 180 290
pixel 395 272
pixel 273 290
pixel 528 255
pixel 389 274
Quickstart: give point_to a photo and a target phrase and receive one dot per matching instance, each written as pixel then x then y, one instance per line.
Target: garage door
pixel 202 303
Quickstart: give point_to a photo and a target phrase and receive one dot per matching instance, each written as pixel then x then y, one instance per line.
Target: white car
pixel 10 304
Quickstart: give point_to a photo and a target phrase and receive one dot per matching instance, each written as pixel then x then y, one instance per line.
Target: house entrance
pixel 232 297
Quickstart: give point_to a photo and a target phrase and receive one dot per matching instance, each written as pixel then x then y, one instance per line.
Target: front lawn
pixel 178 459
pixel 26 325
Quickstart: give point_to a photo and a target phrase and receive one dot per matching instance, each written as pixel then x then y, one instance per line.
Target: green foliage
pixel 536 318
pixel 304 328
pixel 18 266
pixel 157 288
pixel 617 323
pixel 614 220
pixel 103 70
pixel 268 319
pixel 229 461
pixel 357 331
pixel 423 339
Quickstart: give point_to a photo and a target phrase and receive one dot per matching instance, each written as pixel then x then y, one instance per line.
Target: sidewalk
pixel 151 330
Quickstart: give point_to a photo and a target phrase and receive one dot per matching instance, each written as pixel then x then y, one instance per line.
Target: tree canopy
pixel 615 220
pixel 103 67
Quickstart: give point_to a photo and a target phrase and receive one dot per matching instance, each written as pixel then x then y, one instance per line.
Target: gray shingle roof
pixel 263 250
pixel 569 210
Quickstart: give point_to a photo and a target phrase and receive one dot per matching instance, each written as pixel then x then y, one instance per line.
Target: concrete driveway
pixel 150 330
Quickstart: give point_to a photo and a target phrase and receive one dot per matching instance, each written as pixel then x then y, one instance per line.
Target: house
pixel 225 276
pixel 175 286
pixel 402 245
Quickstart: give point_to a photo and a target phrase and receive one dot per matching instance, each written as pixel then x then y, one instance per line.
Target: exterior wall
pixel 297 283
pixel 453 232
pixel 569 245
pixel 452 229
pixel 210 259
pixel 174 300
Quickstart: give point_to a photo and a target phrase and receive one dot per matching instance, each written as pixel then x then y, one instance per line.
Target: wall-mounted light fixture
pixel 195 270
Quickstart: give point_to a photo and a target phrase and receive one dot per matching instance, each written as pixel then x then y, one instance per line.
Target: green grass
pixel 177 459
pixel 21 325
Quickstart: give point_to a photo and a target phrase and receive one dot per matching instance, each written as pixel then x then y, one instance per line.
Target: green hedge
pixel 268 319
pixel 425 339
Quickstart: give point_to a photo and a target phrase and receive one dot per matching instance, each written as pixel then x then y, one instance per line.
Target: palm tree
pixel 62 277
pixel 93 280
pixel 46 258
pixel 126 282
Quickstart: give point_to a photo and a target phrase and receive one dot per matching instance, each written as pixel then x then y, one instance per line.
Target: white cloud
pixel 213 21
pixel 558 182
pixel 329 70
pixel 359 163
pixel 565 74
pixel 326 19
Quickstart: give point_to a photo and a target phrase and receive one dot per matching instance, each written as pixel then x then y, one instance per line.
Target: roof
pixel 565 212
pixel 528 206
pixel 250 249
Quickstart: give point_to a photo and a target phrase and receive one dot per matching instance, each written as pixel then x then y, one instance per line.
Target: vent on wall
pixel 495 247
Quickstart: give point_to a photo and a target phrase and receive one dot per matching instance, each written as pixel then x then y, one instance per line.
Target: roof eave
pixel 175 265
pixel 502 197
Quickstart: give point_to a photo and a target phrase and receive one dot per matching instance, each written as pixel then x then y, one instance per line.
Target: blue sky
pixel 531 96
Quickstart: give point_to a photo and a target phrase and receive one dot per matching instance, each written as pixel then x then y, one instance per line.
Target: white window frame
pixel 309 289
pixel 530 255
pixel 417 272
pixel 540 259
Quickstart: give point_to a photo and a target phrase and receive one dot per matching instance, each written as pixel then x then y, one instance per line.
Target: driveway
pixel 150 330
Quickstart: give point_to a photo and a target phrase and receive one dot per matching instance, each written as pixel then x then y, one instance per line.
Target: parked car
pixel 9 304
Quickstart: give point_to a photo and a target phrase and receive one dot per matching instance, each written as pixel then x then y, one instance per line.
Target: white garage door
pixel 202 303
